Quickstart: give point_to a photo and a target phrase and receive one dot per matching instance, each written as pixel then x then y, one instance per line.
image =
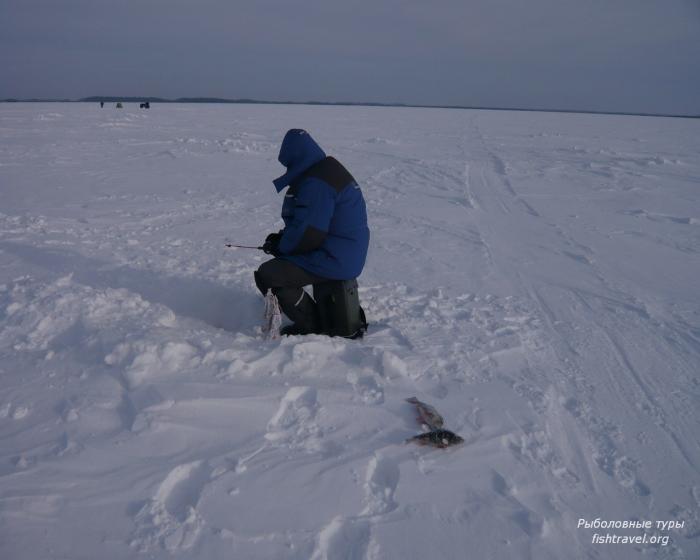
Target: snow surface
pixel 533 276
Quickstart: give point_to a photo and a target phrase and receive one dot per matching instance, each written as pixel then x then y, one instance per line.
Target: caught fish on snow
pixel 437 438
pixel 427 414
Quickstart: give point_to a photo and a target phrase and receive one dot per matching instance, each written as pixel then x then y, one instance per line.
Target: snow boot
pixel 304 314
pixel 294 329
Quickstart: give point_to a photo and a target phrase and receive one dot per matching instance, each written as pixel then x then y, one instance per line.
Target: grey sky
pixel 624 55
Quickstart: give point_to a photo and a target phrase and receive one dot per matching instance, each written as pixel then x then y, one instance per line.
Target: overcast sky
pixel 617 55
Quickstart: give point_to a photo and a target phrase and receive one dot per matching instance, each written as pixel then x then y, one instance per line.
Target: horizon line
pixel 243 101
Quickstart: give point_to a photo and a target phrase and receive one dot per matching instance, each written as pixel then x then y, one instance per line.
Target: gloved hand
pixel 271 245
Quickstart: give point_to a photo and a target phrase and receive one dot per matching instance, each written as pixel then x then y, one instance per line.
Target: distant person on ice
pixel 325 235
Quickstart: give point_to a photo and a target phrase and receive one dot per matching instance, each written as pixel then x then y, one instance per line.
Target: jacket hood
pixel 298 152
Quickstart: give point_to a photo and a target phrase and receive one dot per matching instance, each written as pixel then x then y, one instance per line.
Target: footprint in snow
pixel 294 423
pixel 343 539
pixel 170 519
pixel 381 481
pixel 528 520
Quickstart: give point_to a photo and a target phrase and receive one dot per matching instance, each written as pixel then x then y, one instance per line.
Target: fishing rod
pixel 242 246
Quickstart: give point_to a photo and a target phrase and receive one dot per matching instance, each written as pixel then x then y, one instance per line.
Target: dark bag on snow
pixel 339 308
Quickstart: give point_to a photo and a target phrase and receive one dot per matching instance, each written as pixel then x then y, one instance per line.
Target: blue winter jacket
pixel 325 217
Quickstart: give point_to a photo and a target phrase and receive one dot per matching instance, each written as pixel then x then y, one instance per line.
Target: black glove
pixel 271 245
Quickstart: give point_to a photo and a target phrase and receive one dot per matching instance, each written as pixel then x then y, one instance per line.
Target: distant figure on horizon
pixel 324 240
pixel 119 105
pixel 102 104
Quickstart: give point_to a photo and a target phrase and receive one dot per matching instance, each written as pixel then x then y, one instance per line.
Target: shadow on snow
pixel 230 309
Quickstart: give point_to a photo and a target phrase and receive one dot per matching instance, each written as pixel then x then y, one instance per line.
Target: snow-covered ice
pixel 533 276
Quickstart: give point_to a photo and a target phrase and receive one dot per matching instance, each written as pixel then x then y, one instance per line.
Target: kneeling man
pixel 325 235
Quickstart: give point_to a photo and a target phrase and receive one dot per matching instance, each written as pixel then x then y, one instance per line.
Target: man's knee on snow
pixel 265 277
pixel 259 282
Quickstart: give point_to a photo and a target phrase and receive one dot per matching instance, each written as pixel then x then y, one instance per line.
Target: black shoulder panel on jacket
pixel 311 240
pixel 331 171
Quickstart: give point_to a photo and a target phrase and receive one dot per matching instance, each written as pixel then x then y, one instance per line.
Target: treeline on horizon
pixel 130 99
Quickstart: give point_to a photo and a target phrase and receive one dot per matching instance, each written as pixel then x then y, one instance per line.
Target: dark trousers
pixel 286 281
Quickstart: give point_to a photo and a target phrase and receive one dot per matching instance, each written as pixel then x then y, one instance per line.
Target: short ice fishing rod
pixel 242 246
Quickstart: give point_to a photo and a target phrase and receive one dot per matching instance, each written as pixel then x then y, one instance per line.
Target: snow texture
pixel 533 276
